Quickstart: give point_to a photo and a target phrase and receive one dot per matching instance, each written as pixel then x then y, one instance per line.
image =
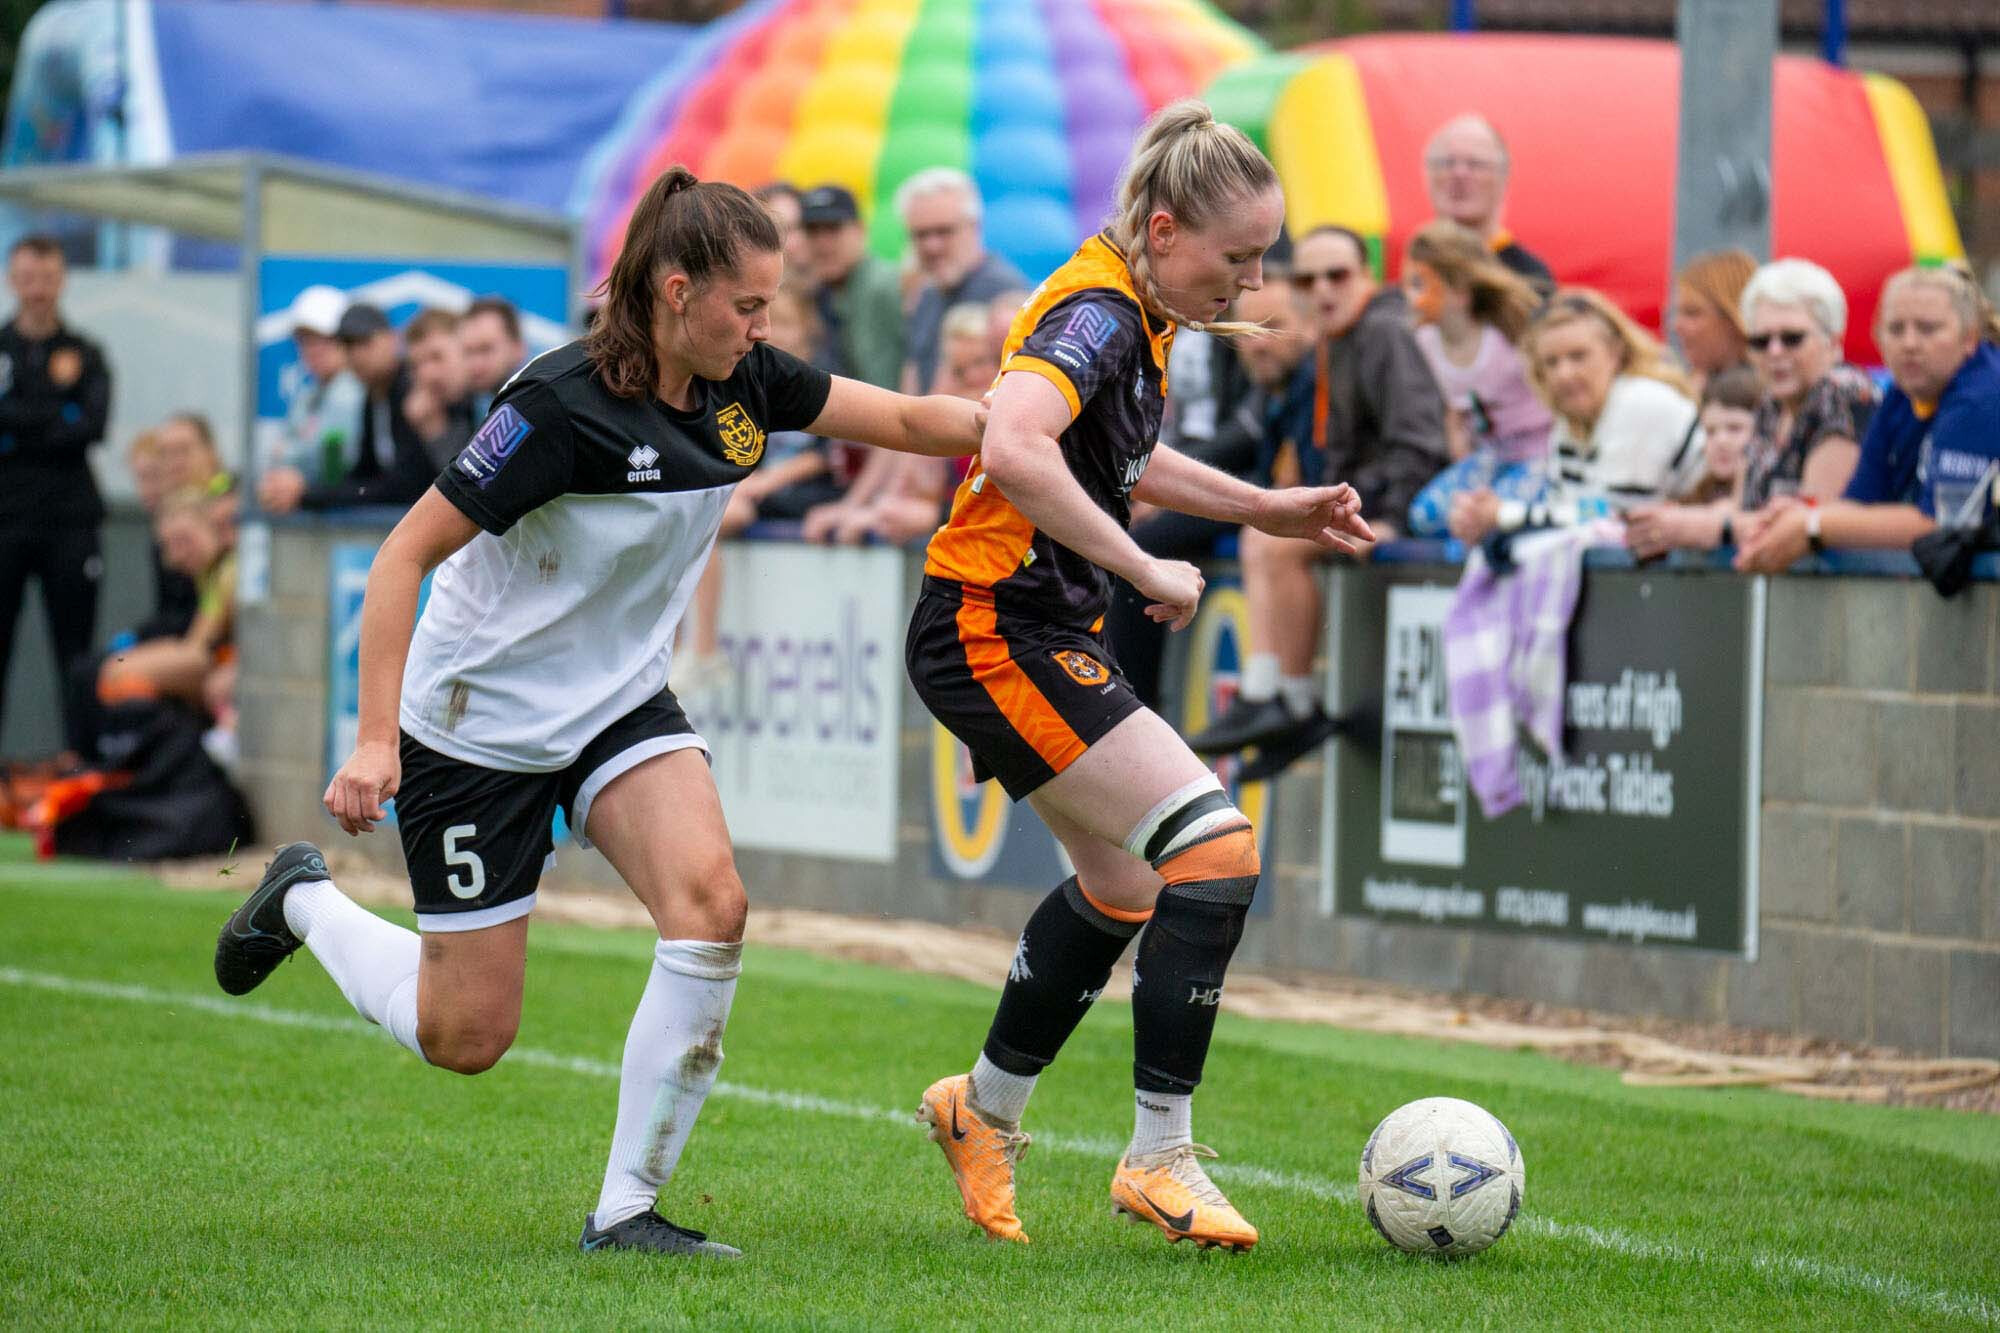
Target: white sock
pixel 1297 692
pixel 373 962
pixel 1161 1120
pixel 1259 678
pixel 671 1054
pixel 998 1094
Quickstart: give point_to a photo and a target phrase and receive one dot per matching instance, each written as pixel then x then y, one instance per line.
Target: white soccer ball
pixel 1441 1176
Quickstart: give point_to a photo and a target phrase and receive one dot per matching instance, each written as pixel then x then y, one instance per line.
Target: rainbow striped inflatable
pixel 1590 126
pixel 1037 99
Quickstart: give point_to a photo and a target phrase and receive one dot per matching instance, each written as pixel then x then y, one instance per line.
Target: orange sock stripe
pixel 1228 854
pixel 1025 707
pixel 1115 913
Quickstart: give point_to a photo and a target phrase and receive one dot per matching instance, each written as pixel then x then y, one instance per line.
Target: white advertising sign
pixel 806 730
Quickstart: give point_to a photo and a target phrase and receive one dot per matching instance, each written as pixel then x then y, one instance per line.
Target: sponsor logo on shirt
pixel 742 441
pixel 1090 326
pixel 488 451
pixel 642 460
pixel 1134 468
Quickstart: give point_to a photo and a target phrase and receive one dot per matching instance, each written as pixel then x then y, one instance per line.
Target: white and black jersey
pixel 599 514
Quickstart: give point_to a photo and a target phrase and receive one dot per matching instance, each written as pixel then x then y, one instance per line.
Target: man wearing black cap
pixel 390 464
pixel 860 298
pixel 55 393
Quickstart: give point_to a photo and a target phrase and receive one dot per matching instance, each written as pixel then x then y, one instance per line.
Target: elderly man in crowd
pixel 489 340
pixel 859 297
pixel 941 211
pixel 1465 169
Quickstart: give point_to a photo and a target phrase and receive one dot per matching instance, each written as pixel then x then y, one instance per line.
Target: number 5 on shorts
pixel 471 885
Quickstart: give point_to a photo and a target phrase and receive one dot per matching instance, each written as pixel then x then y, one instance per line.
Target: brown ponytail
pixel 699 228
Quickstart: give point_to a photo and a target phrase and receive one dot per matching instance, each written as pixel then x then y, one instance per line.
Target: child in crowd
pixel 1471 311
pixel 1728 424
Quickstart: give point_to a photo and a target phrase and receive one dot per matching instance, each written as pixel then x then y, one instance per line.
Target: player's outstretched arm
pixel 1328 515
pixel 1023 457
pixel 428 534
pixel 937 425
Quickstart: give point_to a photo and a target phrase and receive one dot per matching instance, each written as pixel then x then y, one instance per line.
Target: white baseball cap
pixel 318 309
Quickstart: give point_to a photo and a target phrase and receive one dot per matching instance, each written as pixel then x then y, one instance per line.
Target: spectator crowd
pixel 1473 399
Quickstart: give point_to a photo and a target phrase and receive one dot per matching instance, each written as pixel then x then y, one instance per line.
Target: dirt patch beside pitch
pixel 1649 1051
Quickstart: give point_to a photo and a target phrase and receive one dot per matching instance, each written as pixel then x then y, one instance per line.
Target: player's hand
pixel 369 777
pixel 280 489
pixel 1473 515
pixel 1777 543
pixel 1651 530
pixel 1171 589
pixel 1324 515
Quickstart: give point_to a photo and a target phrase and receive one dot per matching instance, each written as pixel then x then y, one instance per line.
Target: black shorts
pixel 1025 696
pixel 477 839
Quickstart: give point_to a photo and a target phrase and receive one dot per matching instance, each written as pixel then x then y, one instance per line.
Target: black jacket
pixel 55 394
pixel 395 471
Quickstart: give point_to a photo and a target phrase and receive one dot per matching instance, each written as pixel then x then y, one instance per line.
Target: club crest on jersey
pixel 1082 667
pixel 488 451
pixel 642 460
pixel 742 441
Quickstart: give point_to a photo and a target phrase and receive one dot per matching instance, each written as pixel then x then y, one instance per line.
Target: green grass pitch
pixel 171 1157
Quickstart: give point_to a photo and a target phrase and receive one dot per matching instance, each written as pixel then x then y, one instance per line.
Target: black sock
pixel 1060 967
pixel 1178 986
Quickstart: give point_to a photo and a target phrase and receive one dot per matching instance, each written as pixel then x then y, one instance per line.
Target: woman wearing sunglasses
pixel 1816 407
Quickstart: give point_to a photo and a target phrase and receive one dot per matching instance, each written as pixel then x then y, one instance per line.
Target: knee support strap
pixel 1181 820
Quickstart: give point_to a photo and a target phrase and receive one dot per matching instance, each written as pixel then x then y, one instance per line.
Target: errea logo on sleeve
pixel 642 460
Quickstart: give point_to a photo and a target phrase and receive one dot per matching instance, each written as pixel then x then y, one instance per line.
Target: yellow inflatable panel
pixel 1913 170
pixel 1324 147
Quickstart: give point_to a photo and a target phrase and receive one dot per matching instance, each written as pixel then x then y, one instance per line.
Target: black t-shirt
pixel 1525 263
pixel 556 430
pixel 55 394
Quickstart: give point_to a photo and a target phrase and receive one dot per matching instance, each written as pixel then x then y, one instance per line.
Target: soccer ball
pixel 1441 1176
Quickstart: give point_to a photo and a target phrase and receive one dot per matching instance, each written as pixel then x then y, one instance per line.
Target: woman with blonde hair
pixel 1621 410
pixel 1471 311
pixel 1006 649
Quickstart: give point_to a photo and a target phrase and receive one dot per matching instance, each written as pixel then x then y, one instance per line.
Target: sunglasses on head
pixel 1304 281
pixel 1793 339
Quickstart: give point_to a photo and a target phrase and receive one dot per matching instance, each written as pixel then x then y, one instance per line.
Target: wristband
pixel 1812 531
pixel 1728 531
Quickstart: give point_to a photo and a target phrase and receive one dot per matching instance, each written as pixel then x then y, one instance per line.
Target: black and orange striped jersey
pixel 1086 332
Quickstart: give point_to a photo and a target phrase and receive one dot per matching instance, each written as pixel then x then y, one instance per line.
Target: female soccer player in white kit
pixel 568 537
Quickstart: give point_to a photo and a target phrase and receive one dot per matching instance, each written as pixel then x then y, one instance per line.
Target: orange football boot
pixel 1170 1190
pixel 981 1155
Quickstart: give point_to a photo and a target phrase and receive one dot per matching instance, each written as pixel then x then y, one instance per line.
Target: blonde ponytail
pixel 1196 168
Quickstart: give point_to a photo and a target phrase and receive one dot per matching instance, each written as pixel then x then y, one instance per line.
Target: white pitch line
pixel 1896 1291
